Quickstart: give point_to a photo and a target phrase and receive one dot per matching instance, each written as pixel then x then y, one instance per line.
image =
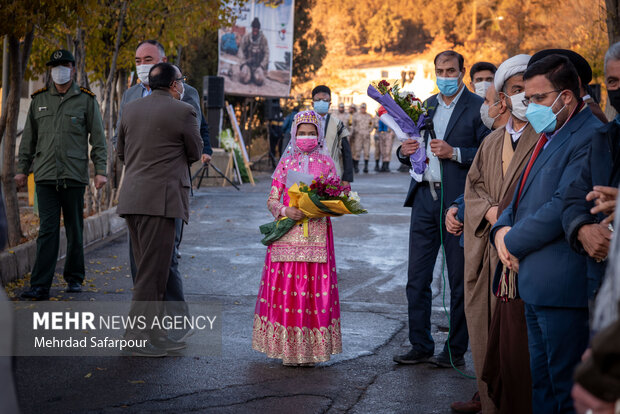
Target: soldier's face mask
pixel 61 74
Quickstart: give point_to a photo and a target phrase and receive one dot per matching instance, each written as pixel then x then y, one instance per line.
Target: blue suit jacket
pixel 550 272
pixel 465 131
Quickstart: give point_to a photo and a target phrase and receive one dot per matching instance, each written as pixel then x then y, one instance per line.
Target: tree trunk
pixel 108 117
pixel 80 59
pixel 613 21
pixel 18 58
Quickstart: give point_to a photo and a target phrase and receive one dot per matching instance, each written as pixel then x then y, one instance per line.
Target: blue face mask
pixel 448 86
pixel 321 107
pixel 542 117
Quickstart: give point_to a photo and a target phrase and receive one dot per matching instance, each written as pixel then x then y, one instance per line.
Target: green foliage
pixel 309 44
pixel 171 22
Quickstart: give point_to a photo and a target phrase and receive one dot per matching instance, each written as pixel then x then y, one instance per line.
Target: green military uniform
pixel 55 144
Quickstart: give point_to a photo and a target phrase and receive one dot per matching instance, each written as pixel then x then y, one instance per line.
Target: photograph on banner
pixel 256 53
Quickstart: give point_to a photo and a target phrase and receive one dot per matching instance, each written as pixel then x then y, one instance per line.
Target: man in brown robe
pixel 498 164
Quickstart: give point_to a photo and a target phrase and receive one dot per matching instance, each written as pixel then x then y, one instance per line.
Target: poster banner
pixel 256 53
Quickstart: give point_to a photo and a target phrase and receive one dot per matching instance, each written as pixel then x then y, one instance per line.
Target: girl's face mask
pixel 307 143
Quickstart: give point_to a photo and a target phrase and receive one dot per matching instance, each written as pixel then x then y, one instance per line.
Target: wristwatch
pixel 455 154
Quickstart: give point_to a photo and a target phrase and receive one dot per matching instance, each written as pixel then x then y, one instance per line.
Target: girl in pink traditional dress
pixel 297 316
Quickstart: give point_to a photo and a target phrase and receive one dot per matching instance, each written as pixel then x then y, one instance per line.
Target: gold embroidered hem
pixel 295 247
pixel 295 345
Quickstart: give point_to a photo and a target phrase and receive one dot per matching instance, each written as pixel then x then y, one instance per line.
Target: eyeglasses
pixel 181 79
pixel 538 97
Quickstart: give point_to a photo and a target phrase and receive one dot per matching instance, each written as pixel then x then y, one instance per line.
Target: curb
pixel 18 261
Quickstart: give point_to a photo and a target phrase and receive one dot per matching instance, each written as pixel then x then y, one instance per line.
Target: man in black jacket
pixel 586 232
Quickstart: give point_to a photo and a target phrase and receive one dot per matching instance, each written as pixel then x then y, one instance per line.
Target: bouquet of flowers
pixel 325 197
pixel 406 115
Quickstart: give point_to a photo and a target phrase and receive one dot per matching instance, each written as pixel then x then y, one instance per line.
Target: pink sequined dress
pixel 297 316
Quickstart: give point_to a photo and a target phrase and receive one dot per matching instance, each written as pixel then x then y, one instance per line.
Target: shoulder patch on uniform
pixel 38 92
pixel 87 91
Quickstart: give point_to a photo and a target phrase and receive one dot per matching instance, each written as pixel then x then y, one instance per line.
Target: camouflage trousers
pixel 362 142
pixel 383 145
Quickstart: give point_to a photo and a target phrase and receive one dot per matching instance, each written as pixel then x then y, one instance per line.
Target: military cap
pixel 60 56
pixel 581 64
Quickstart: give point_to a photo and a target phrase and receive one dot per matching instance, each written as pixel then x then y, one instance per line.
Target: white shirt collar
pixel 515 135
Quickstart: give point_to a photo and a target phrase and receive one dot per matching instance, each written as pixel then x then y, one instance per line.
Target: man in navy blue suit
pixel 552 278
pixel 455 112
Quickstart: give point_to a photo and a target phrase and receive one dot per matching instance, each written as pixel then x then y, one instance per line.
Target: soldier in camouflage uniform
pixel 349 124
pixel 342 115
pixel 254 55
pixel 363 125
pixel 62 121
pixel 386 140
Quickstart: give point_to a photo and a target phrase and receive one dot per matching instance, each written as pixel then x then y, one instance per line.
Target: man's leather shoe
pixel 413 357
pixel 148 350
pixel 36 293
pixel 442 360
pixel 73 287
pixel 472 406
pixel 167 344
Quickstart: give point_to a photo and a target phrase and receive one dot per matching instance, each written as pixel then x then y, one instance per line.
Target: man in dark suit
pixel 586 232
pixel 455 112
pixel 530 239
pixel 156 187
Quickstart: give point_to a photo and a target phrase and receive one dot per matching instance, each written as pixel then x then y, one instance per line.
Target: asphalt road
pixel 222 260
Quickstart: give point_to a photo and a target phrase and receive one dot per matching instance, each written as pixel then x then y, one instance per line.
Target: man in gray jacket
pixel 156 188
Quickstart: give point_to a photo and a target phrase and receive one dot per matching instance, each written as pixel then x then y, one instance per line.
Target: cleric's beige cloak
pixel 494 170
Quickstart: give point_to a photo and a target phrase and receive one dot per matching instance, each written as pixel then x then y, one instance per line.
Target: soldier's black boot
pixel 366 166
pixel 356 166
pixel 377 168
pixel 385 167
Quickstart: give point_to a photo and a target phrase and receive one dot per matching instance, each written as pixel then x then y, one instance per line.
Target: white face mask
pixel 61 74
pixel 182 93
pixel 485 117
pixel 143 73
pixel 518 109
pixel 481 88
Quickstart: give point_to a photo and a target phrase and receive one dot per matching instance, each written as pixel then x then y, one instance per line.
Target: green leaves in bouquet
pixel 412 106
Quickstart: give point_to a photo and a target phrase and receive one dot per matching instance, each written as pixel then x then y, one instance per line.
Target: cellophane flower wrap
pixel 406 116
pixel 325 197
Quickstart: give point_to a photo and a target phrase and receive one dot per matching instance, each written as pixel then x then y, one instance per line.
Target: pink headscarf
pixel 316 162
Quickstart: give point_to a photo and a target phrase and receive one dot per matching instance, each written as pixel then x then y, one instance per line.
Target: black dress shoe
pixel 148 350
pixel 36 293
pixel 442 360
pixel 73 287
pixel 413 357
pixel 167 344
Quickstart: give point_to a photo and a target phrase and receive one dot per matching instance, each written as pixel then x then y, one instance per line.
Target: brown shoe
pixel 472 406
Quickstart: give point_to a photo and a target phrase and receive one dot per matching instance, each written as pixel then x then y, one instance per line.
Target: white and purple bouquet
pixel 406 115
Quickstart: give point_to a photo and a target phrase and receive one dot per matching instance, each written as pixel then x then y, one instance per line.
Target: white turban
pixel 509 68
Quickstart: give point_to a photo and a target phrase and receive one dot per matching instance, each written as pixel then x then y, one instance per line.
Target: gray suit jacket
pixel 157 138
pixel 135 92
